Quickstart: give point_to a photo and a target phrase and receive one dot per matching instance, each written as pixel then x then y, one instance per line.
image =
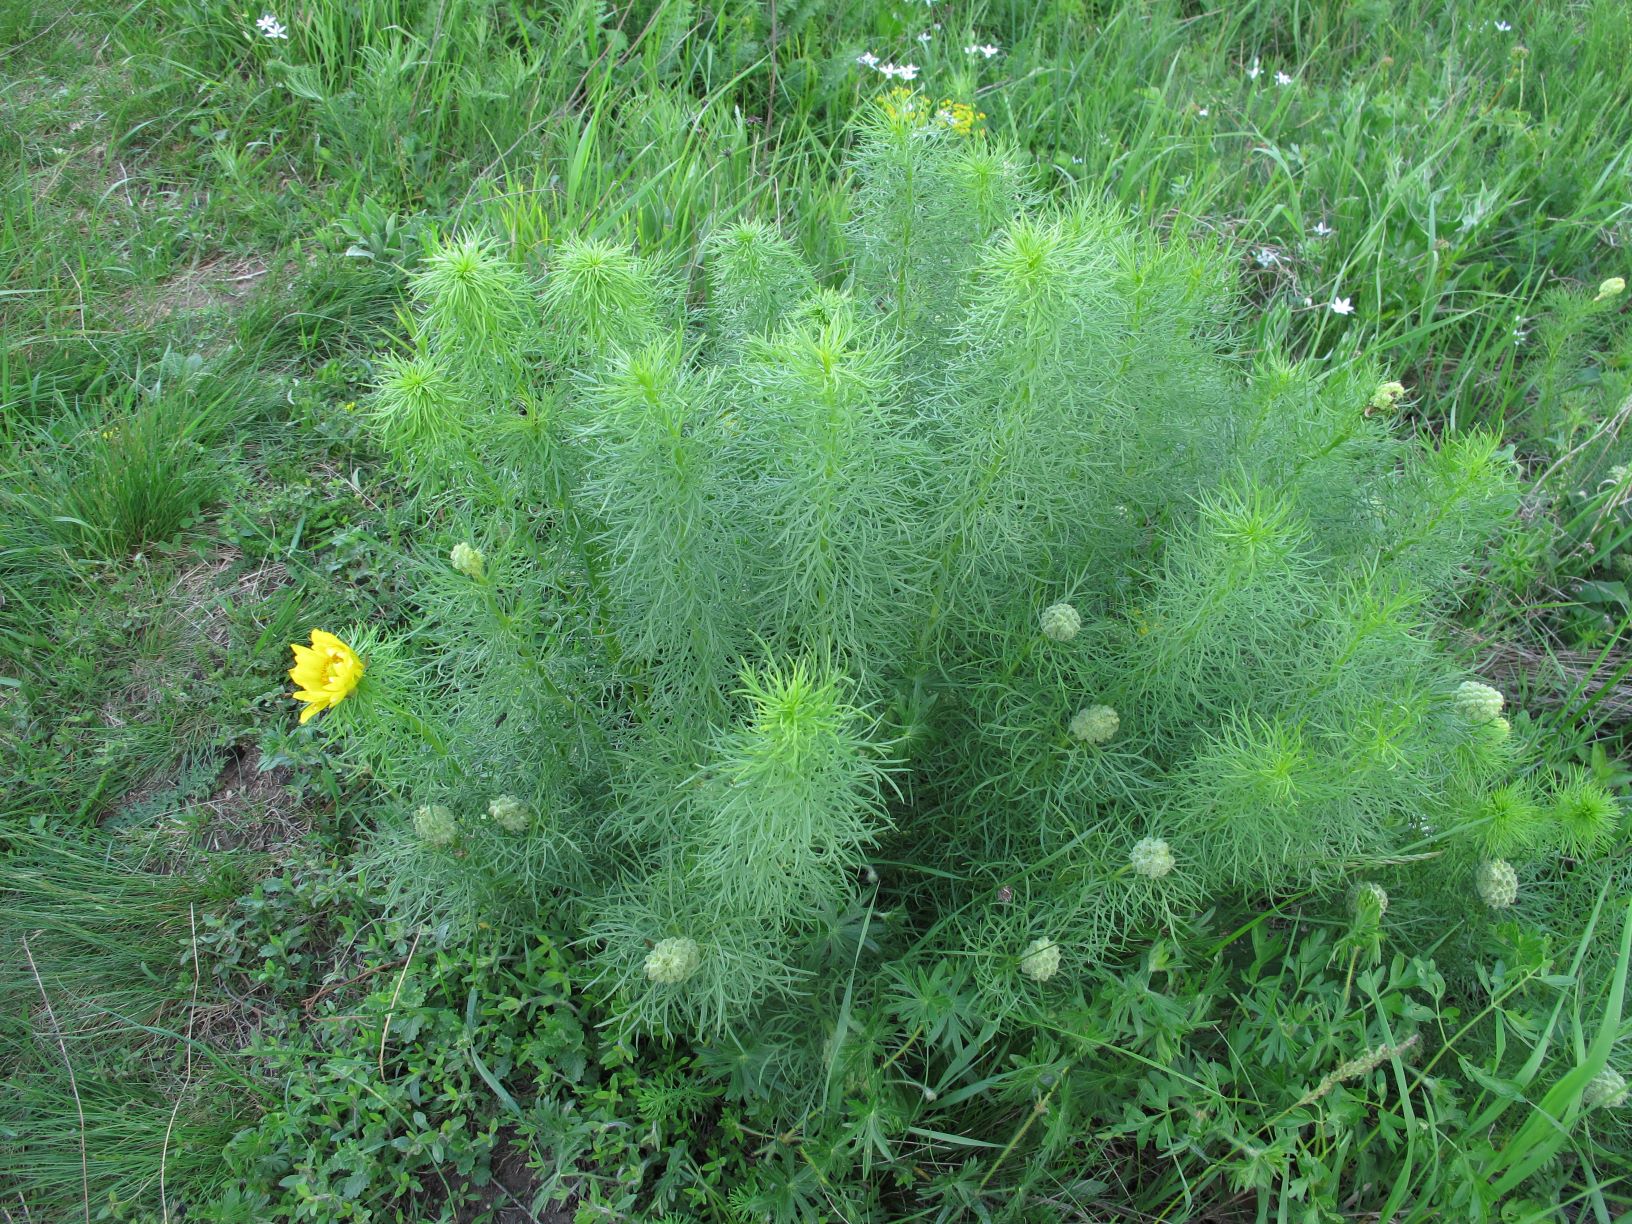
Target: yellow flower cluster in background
pixel 910 109
pixel 325 673
pixel 959 116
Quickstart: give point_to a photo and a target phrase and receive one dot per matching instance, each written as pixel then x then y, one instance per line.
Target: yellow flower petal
pixel 325 673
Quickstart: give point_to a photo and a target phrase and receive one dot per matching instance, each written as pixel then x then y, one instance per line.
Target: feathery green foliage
pixel 786 609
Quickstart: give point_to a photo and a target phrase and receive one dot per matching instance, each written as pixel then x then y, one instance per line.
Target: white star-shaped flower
pixel 1254 72
pixel 1342 306
pixel 1282 78
pixel 1322 230
pixel 925 37
pixel 270 26
pixel 1503 27
pixel 867 59
pixel 1266 257
pixel 907 72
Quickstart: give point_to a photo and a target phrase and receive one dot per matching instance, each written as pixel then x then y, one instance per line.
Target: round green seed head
pixel 468 560
pixel 1041 960
pixel 1606 1090
pixel 1367 895
pixel 1095 724
pixel 1151 858
pixel 1387 395
pixel 1476 702
pixel 435 825
pixel 1060 622
pixel 1497 883
pixel 509 813
pixel 673 960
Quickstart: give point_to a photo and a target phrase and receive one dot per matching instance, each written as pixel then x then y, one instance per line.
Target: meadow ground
pixel 209 1008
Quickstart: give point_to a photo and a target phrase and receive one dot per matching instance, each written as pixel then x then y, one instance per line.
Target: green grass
pixel 204 239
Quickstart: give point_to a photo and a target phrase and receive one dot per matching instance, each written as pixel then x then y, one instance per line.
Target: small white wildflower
pixel 907 72
pixel 1060 622
pixel 1282 78
pixel 1202 111
pixel 1076 161
pixel 1254 72
pixel 1151 858
pixel 867 59
pixel 672 961
pixel 987 50
pixel 1041 960
pixel 888 70
pixel 1502 27
pixel 1322 230
pixel 270 26
pixel 925 37
pixel 1095 724
pixel 1266 257
pixel 1342 306
pixel 1497 883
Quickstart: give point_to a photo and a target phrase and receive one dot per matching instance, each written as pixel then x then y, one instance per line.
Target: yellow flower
pixel 325 673
pixel 907 109
pixel 959 116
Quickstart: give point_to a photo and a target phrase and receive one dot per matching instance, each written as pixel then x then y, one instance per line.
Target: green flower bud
pixel 1497 883
pixel 1366 895
pixel 1476 702
pixel 1060 622
pixel 468 560
pixel 435 825
pixel 1095 724
pixel 1613 287
pixel 1041 960
pixel 672 961
pixel 1606 1090
pixel 1151 858
pixel 509 814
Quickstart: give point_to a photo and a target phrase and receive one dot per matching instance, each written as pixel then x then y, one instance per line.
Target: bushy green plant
pixel 861 658
pixel 770 597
